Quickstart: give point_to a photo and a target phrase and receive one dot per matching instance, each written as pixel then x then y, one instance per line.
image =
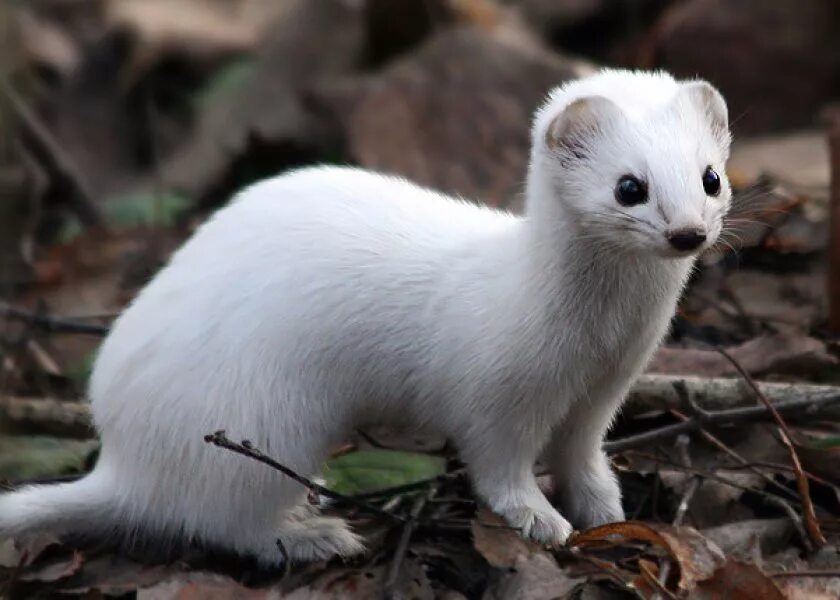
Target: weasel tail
pixel 86 506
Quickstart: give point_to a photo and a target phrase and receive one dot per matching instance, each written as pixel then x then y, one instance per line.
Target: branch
pixel 654 392
pixel 46 411
pixel 247 449
pixel 810 516
pixel 802 406
pixel 48 323
pixel 390 586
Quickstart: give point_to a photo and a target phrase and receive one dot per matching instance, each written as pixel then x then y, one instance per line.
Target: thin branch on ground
pixel 794 519
pixel 657 392
pixel 730 416
pixel 245 448
pixel 46 411
pixel 693 485
pixel 49 323
pixel 810 517
pixel 389 589
pixel 743 462
pixel 658 458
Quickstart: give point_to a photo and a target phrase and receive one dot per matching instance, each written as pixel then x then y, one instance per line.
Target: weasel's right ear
pixel 574 129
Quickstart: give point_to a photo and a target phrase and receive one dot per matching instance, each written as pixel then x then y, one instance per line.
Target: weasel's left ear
pixel 579 122
pixel 705 96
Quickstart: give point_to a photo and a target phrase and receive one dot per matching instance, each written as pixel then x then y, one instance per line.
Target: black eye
pixel 629 191
pixel 711 182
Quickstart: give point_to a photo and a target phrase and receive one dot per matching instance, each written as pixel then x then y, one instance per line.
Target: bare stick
pixel 247 449
pixel 48 323
pixel 720 417
pixel 810 517
pixel 52 157
pixel 692 487
pixel 794 519
pixel 653 391
pixel 46 411
pixel 405 538
pixel 743 462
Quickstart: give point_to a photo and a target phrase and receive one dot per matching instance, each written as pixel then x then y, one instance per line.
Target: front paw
pixel 592 505
pixel 542 525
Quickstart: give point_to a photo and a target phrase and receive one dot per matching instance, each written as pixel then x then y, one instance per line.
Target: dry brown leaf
pixel 500 545
pixel 696 557
pixel 784 353
pixel 737 581
pixel 535 577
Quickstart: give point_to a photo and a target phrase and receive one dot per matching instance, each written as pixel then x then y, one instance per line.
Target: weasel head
pixel 635 160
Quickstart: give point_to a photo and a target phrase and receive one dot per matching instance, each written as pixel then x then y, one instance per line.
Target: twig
pixel 693 484
pixel 810 517
pixel 718 417
pixel 653 391
pixel 46 411
pixel 52 157
pixel 49 323
pixel 219 439
pixel 706 475
pixel 833 254
pixel 609 569
pixel 389 589
pixel 794 518
pixel 743 462
pixel 692 487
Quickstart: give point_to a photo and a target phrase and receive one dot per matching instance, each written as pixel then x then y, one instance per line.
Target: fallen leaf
pixel 695 556
pixel 534 577
pixel 743 538
pixel 737 581
pixel 501 546
pixel 784 353
pixel 376 469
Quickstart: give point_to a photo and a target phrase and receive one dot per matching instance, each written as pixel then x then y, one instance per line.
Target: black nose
pixel 686 239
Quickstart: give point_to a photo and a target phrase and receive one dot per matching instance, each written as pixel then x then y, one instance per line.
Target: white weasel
pixel 330 298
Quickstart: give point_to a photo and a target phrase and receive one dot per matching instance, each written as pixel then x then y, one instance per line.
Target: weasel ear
pixel 573 129
pixel 705 97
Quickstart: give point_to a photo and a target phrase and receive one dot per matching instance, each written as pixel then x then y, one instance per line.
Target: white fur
pixel 330 298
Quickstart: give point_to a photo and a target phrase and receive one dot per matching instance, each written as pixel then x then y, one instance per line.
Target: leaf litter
pixel 244 107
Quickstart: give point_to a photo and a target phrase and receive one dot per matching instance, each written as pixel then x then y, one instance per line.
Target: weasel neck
pixel 601 291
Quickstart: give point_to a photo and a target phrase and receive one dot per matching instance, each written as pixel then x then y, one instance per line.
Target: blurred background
pixel 124 123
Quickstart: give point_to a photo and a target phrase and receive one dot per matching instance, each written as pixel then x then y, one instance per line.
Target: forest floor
pixel 130 122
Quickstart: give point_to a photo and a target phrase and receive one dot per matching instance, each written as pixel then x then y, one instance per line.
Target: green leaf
pixel 146 208
pixel 825 443
pixel 32 457
pixel 372 470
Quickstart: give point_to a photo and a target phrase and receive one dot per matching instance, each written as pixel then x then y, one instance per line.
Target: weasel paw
pixel 542 526
pixel 319 538
pixel 591 510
